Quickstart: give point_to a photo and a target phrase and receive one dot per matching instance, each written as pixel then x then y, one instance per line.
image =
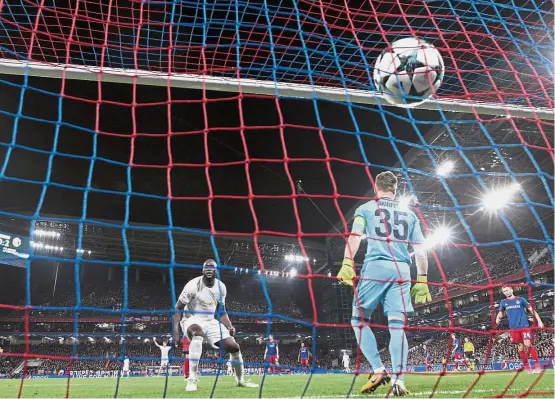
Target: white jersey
pixel 164 350
pixel 126 364
pixel 202 301
pixel 346 359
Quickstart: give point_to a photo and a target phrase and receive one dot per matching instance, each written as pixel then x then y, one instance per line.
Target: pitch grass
pixel 330 385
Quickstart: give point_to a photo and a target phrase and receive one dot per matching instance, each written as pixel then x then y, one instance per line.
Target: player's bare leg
pixel 196 334
pixel 232 347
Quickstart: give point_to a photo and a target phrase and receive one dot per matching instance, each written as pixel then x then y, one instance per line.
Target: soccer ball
pixel 408 72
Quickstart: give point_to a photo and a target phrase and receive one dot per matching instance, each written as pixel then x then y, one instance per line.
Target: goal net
pixel 140 138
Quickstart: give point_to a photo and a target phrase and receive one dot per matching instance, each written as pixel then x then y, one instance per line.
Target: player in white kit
pixel 125 368
pixel 164 356
pixel 346 362
pixel 199 301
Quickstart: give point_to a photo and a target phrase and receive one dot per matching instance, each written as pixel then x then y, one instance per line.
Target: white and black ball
pixel 409 72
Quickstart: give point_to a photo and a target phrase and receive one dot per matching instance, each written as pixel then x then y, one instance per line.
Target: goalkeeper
pixel 385 278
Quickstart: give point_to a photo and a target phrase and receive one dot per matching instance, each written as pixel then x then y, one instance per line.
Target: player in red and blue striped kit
pixel 515 307
pixel 271 354
pixel 304 355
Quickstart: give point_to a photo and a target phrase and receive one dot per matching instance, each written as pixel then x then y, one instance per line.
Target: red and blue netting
pixel 494 53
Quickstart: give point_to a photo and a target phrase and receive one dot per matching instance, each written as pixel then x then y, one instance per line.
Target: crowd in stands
pixel 107 356
pixel 499 263
pixel 154 296
pixel 503 349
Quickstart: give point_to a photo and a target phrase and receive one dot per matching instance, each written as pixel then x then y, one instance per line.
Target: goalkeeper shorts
pixel 384 282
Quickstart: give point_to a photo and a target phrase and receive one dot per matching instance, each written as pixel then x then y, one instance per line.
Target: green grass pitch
pixel 331 385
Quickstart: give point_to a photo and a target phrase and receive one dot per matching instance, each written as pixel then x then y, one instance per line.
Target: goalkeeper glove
pixel 347 272
pixel 420 291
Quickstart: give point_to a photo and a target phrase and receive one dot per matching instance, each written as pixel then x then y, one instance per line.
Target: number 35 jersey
pixel 385 219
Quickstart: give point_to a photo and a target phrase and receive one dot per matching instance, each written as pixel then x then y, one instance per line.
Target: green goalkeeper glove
pixel 420 291
pixel 347 272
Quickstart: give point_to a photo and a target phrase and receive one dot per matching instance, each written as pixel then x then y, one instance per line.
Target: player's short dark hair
pixel 386 182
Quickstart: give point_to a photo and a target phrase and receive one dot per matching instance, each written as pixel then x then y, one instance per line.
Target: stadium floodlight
pixel 445 168
pixel 47 234
pixel 40 245
pixel 404 202
pixel 293 273
pixel 497 199
pixel 440 236
pixel 296 258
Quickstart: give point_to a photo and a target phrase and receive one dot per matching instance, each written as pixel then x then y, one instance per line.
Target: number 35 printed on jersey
pixel 398 227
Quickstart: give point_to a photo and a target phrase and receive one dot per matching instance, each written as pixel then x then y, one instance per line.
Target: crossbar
pixel 252 86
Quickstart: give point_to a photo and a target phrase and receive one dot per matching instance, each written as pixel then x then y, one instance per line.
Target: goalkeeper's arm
pixel 421 260
pixel 347 272
pixel 420 291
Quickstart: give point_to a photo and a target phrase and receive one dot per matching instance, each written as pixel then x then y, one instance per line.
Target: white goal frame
pixel 252 86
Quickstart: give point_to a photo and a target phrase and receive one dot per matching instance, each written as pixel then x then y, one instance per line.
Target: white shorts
pixel 214 331
pixel 164 362
pixel 345 364
pixel 125 370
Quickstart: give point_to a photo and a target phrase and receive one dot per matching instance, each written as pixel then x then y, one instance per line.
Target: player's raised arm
pixel 347 272
pixel 156 343
pixel 420 291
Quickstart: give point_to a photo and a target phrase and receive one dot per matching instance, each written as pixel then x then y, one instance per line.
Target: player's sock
pixel 398 346
pixel 237 364
pixel 466 365
pixel 186 366
pixel 524 358
pixel 533 353
pixel 195 352
pixel 368 346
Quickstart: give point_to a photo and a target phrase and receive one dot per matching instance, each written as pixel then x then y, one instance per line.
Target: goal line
pixel 260 87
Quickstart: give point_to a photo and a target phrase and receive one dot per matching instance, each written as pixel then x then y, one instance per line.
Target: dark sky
pixel 150 149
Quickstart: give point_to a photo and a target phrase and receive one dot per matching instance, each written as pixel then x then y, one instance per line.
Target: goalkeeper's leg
pixel 368 295
pixel 397 305
pixel 398 348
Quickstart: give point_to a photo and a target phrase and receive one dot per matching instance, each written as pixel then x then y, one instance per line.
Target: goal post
pixel 260 87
